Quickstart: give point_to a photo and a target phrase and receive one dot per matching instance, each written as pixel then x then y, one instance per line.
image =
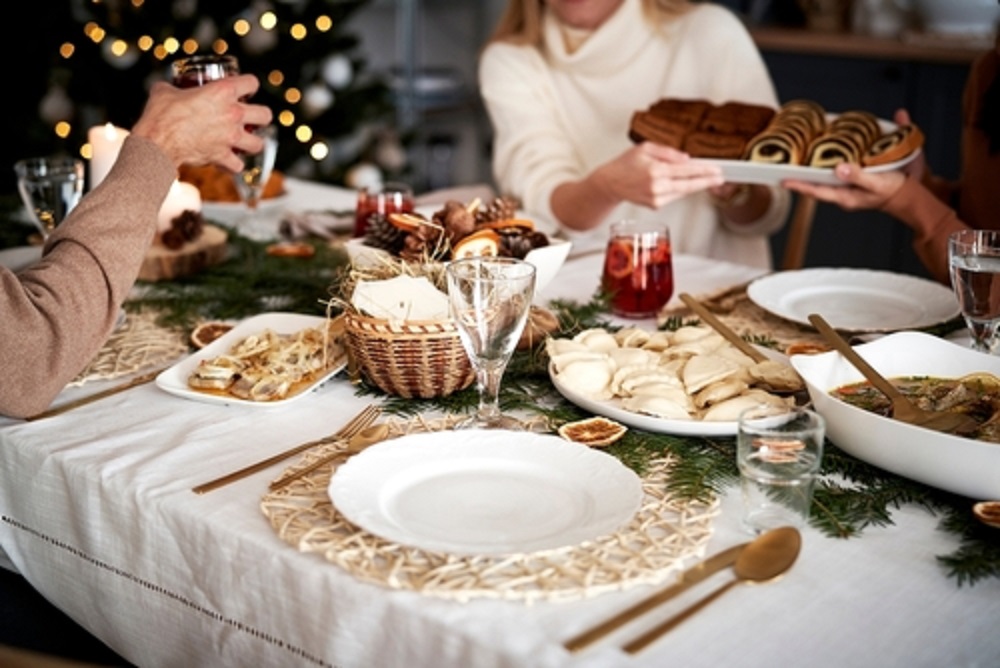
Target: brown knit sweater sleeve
pixel 57 313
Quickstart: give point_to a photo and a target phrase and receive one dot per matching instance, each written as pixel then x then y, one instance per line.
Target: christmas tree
pixel 335 119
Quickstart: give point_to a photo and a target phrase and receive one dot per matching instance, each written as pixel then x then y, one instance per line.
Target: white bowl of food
pixel 547 259
pixel 965 466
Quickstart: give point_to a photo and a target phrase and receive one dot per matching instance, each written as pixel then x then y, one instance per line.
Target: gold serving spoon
pixel 765 559
pixel 903 409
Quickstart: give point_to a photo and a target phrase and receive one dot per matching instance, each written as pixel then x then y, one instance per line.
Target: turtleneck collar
pixel 609 48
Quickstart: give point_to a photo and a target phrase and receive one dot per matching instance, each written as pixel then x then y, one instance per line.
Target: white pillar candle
pixel 182 197
pixel 105 142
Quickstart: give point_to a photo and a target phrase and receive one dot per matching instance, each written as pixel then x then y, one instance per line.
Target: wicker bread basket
pixel 414 359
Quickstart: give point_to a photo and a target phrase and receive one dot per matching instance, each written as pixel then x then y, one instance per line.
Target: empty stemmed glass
pixel 50 188
pixel 257 167
pixel 974 257
pixel 489 301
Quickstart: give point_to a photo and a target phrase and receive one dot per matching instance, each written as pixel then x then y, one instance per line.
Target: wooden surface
pixel 911 46
pixel 161 263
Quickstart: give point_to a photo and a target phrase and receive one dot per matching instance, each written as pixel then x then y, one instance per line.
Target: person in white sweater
pixel 561 79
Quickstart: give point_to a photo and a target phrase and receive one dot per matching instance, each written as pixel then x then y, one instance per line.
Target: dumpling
pixel 624 357
pixel 703 370
pixel 597 339
pixel 563 360
pixel 720 391
pixel 657 406
pixel 631 337
pixel 730 409
pixel 555 347
pixel 589 377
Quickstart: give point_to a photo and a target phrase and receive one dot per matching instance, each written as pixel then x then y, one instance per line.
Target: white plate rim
pixel 360 489
pixel 770 293
pixel 743 171
pixel 174 379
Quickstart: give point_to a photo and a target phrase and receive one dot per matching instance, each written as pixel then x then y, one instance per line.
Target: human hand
pixel 205 124
pixel 653 175
pixel 862 190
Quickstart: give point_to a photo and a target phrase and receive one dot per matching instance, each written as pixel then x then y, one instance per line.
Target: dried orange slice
pixel 291 249
pixel 595 431
pixel 408 222
pixel 477 244
pixel 618 260
pixel 206 332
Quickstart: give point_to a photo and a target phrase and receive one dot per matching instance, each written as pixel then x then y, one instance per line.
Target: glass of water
pixel 779 456
pixel 974 256
pixel 50 187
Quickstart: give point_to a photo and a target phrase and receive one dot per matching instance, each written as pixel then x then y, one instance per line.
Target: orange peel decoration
pixel 477 244
pixel 619 259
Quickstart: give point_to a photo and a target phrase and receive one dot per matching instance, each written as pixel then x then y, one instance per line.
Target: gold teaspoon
pixel 764 559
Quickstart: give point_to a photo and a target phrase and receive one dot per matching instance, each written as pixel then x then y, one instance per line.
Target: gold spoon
pixel 903 409
pixel 766 558
pixel 357 443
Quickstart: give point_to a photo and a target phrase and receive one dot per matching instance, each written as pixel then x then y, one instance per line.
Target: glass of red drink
pixel 638 268
pixel 200 69
pixel 390 198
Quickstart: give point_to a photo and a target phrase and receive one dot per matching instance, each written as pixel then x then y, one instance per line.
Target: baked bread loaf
pixel 700 128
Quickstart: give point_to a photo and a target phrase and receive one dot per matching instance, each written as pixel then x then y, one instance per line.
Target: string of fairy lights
pixel 259 29
pixel 172 48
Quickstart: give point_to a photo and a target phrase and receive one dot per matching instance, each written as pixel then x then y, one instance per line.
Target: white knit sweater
pixel 557 115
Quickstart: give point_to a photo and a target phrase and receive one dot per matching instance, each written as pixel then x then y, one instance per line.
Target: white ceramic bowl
pixel 958 17
pixel 952 463
pixel 547 259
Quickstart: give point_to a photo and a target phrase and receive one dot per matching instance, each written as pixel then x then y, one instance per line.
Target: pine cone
pixel 501 208
pixel 518 242
pixel 383 234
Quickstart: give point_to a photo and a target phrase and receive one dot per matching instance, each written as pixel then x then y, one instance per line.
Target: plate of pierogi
pixel 689 381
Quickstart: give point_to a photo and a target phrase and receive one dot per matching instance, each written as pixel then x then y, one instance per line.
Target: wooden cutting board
pixel 162 263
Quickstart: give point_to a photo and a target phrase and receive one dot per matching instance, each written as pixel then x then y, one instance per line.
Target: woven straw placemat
pixel 655 544
pixel 139 343
pixel 734 308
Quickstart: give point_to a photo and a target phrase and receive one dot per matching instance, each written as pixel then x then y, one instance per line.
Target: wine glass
pixel 489 300
pixel 50 187
pixel 974 257
pixel 257 167
pixel 199 69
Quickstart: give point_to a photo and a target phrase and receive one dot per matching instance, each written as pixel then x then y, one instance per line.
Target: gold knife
pixel 688 578
pixel 135 382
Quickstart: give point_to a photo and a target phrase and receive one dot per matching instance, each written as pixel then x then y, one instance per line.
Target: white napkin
pixel 401 298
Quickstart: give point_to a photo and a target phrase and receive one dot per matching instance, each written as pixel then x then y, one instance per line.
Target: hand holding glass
pixel 200 69
pixel 779 458
pixel 49 188
pixel 489 299
pixel 974 257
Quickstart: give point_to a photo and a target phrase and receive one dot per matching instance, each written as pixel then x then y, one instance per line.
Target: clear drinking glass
pixel 200 69
pixel 392 197
pixel 638 268
pixel 489 299
pixel 974 257
pixel 50 187
pixel 257 167
pixel 779 457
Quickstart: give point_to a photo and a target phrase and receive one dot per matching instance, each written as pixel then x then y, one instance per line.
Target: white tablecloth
pixel 97 512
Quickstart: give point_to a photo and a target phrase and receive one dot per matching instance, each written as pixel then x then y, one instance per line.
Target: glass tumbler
pixel 638 268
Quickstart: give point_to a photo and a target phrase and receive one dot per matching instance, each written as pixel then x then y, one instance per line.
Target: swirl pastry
pixel 834 147
pixel 893 146
pixel 774 147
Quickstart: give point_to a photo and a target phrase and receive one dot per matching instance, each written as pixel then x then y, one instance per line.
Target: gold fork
pixel 357 423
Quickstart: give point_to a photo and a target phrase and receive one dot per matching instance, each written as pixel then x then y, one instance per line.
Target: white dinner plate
pixel 174 380
pixel 485 492
pixel 743 171
pixel 855 300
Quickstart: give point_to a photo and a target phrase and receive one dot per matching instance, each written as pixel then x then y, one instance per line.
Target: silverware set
pixel 360 421
pixel 764 559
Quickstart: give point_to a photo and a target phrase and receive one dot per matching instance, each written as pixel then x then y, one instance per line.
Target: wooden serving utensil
pixel 903 409
pixel 709 318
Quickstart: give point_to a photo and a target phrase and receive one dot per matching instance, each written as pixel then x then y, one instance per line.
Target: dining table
pixel 97 512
